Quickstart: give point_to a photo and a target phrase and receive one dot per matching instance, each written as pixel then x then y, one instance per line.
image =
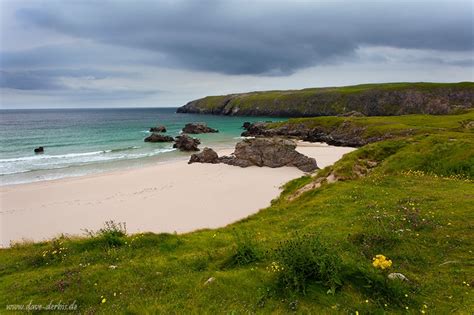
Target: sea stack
pixel 155 137
pixel 195 128
pixel 158 129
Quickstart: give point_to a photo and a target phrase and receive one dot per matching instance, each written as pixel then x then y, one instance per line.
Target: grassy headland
pixel 358 131
pixel 368 99
pixel 410 198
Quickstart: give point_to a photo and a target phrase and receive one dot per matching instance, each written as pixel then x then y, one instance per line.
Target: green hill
pixel 409 198
pixel 368 99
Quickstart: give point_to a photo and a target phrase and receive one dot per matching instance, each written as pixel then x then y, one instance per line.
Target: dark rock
pixel 158 129
pixel 271 152
pixel 39 150
pixel 195 128
pixel 207 155
pixel 246 125
pixel 155 137
pixel 346 134
pixel 186 143
pixel 255 129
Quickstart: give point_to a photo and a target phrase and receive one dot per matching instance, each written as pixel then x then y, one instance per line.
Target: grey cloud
pixel 49 79
pixel 27 80
pixel 248 37
pixel 86 95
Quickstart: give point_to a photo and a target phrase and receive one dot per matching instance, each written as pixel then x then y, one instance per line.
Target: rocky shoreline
pixel 347 133
pixel 271 152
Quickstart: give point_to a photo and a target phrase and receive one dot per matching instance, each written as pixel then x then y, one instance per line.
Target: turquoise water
pixel 84 141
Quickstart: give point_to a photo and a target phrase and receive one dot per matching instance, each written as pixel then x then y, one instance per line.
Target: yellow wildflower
pixel 380 261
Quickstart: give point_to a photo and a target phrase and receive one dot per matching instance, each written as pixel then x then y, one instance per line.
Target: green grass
pixel 413 204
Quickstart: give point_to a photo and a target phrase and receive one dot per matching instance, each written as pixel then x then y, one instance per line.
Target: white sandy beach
pixel 167 197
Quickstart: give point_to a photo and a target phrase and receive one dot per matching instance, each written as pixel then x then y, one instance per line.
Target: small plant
pixel 112 234
pixel 380 261
pixel 246 251
pixel 55 252
pixel 199 263
pixel 306 259
pixel 374 284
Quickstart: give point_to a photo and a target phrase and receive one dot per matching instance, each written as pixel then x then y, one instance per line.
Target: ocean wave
pixel 122 149
pixel 54 162
pixel 47 156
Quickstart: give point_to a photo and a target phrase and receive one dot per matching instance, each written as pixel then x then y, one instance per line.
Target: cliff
pixel 369 99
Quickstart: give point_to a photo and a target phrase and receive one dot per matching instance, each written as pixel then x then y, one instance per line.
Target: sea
pixel 78 142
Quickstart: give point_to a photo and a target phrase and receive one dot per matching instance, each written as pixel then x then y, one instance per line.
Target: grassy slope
pixel 329 99
pixel 415 207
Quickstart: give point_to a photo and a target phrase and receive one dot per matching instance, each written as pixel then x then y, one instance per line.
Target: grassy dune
pixel 410 198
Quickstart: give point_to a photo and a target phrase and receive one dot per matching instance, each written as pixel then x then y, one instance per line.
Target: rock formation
pixel 186 143
pixel 271 152
pixel 207 155
pixel 158 129
pixel 246 124
pixel 346 134
pixel 39 150
pixel 155 137
pixel 195 128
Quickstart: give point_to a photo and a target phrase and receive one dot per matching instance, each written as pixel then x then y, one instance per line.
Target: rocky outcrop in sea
pixel 156 137
pixel 158 129
pixel 196 128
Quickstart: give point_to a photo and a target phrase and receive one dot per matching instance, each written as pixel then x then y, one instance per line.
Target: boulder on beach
pixel 39 150
pixel 186 143
pixel 271 152
pixel 155 137
pixel 207 155
pixel 195 128
pixel 158 129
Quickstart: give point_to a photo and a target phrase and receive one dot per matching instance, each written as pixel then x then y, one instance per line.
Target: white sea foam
pixel 52 162
pixel 46 156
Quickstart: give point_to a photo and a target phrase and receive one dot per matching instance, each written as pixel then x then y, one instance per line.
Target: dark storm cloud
pixel 248 37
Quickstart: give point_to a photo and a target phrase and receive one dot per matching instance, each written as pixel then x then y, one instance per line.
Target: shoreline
pixel 170 196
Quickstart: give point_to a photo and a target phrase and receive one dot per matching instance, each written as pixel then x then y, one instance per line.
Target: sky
pixel 140 53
